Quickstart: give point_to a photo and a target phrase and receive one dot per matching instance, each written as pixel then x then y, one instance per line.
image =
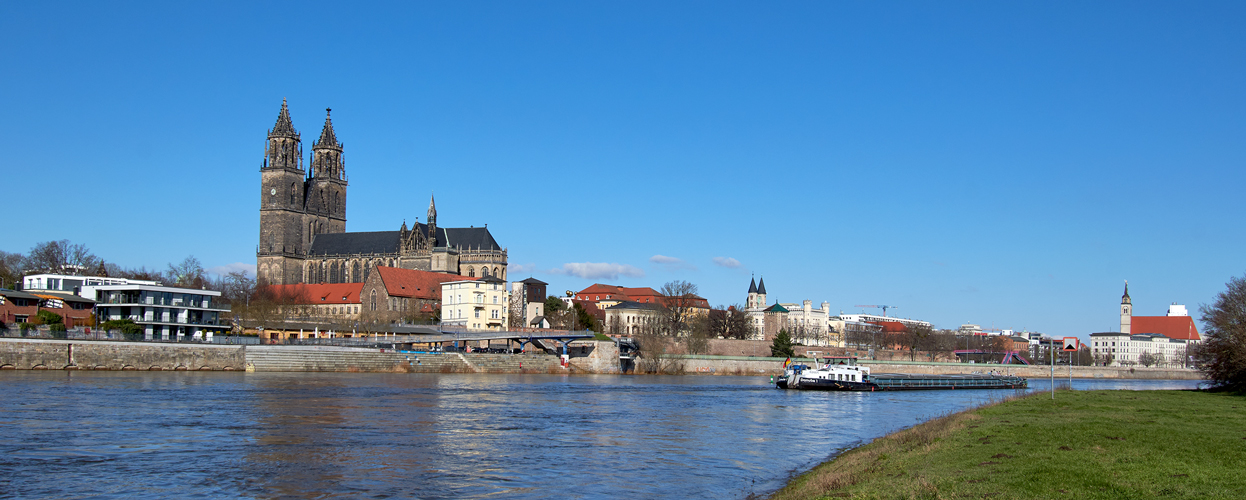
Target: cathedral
pixel 303 236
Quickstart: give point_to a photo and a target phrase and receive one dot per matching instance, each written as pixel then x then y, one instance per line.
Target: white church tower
pixel 1126 310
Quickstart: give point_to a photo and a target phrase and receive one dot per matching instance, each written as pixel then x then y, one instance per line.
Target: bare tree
pixel 188 273
pixel 730 322
pixel 12 267
pixel 60 257
pixel 679 299
pixel 697 341
pixel 914 338
pixel 653 348
pixel 614 326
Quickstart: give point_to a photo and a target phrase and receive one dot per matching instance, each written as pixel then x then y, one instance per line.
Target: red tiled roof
pixel 643 295
pixel 890 326
pixel 643 291
pixel 1173 327
pixel 321 293
pixel 415 284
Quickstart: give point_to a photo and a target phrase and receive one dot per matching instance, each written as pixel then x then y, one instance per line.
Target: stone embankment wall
pixel 761 349
pixel 37 354
pixel 34 354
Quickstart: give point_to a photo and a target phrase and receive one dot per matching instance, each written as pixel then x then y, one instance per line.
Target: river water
pixel 316 435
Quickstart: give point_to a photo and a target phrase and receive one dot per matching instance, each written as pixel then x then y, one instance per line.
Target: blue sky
pixel 1002 163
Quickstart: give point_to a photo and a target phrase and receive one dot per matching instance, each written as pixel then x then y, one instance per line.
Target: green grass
pixel 1085 444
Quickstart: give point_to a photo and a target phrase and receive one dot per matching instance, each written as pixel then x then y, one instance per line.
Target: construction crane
pixel 884 308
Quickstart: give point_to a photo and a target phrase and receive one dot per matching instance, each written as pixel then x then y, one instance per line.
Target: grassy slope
pixel 1092 444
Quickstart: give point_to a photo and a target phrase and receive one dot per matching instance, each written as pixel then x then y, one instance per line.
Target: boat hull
pixel 829 385
pixel 897 382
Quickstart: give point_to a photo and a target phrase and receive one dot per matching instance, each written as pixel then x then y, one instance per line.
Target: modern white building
pixel 869 318
pixel 74 284
pixel 480 304
pixel 164 312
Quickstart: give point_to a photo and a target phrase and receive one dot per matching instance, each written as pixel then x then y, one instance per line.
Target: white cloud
pixel 229 268
pixel 598 270
pixel 520 268
pixel 662 259
pixel 726 262
pixel 671 263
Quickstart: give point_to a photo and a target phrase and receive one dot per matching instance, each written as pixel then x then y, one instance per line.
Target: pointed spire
pixel 432 210
pixel 327 138
pixel 752 285
pixel 1125 298
pixel 761 286
pixel 284 127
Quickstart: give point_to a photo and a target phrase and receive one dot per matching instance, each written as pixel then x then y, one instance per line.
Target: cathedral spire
pixel 283 149
pixel 432 210
pixel 284 127
pixel 761 286
pixel 752 285
pixel 327 152
pixel 327 138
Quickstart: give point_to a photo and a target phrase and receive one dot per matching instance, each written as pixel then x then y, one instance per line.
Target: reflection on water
pixel 435 436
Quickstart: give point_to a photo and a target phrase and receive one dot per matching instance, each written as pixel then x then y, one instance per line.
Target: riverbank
pixel 1084 444
pixel 586 357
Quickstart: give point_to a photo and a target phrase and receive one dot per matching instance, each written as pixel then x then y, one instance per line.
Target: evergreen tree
pixel 782 346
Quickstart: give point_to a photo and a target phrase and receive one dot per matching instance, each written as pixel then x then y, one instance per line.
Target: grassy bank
pixel 1091 444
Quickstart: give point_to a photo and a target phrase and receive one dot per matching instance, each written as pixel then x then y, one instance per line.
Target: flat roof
pixel 155 288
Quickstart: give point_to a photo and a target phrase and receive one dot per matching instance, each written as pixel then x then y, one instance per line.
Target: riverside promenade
pixel 588 357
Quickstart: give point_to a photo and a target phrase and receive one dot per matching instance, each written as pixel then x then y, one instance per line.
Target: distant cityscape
pixel 316 280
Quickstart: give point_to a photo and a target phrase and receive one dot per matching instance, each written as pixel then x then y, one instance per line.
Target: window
pixel 478 313
pixel 373 300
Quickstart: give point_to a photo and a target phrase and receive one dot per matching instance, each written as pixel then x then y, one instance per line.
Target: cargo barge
pixel 844 374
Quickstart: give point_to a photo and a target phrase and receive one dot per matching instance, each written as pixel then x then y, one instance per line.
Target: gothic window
pixel 373 300
pixel 484 273
pixel 293 194
pixel 355 273
pixel 495 272
pixel 471 273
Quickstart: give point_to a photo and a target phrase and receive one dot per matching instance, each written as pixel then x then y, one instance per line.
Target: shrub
pixel 126 326
pixel 51 319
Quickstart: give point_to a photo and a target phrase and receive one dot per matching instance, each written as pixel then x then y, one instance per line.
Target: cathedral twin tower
pixel 303 236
